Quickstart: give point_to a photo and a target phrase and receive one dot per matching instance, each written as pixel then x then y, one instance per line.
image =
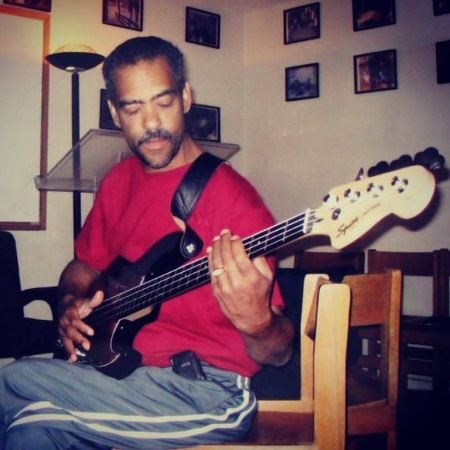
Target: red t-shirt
pixel 131 213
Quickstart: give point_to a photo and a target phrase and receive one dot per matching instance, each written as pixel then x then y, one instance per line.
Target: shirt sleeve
pixel 92 244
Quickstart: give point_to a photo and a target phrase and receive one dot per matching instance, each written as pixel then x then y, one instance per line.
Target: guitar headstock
pixel 403 188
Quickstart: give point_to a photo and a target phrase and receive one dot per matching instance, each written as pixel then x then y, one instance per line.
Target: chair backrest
pixel 331 334
pixel 435 264
pixel 335 264
pixel 375 311
pixel 310 297
pixel 10 287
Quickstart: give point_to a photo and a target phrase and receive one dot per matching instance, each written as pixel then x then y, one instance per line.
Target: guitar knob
pixel 336 213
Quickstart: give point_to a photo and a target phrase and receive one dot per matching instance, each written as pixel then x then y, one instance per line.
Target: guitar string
pixel 174 283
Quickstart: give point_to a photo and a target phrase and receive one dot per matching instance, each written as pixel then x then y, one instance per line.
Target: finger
pixel 263 267
pixel 215 254
pixel 225 255
pixel 240 257
pixel 68 347
pixel 87 307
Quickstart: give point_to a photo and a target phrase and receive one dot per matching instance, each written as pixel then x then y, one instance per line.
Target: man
pixel 232 325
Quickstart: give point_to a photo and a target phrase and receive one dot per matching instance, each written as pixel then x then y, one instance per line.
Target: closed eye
pixel 165 100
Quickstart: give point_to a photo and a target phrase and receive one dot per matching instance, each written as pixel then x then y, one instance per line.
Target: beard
pixel 163 160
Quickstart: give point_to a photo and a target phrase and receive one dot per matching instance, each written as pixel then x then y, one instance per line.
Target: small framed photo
pixel 372 14
pixel 302 23
pixel 441 7
pixel 202 27
pixel 302 82
pixel 41 5
pixel 106 121
pixel 375 71
pixel 123 13
pixel 203 122
pixel 443 62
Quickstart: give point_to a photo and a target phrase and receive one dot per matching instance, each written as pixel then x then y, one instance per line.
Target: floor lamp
pixel 75 59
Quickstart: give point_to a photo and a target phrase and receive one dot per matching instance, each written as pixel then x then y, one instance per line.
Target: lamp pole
pixel 75 59
pixel 76 151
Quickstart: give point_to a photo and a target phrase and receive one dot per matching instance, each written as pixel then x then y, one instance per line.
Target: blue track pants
pixel 50 404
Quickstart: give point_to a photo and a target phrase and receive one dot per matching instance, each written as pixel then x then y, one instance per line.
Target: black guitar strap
pixel 192 185
pixel 187 195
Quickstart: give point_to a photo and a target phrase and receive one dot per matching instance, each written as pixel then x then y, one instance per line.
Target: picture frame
pixel 105 119
pixel 367 15
pixel 376 71
pixel 124 14
pixel 203 122
pixel 202 27
pixel 443 62
pixel 441 7
pixel 41 5
pixel 301 23
pixel 302 82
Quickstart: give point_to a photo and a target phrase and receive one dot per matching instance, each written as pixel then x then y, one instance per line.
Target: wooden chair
pixel 372 379
pixel 316 420
pixel 335 264
pixel 425 340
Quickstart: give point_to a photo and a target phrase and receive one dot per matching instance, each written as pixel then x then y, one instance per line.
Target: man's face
pixel 150 111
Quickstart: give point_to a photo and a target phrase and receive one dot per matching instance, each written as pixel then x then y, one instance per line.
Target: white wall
pixel 292 151
pixel 297 150
pixel 216 76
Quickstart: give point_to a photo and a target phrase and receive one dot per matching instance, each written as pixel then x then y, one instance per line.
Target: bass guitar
pixel 134 289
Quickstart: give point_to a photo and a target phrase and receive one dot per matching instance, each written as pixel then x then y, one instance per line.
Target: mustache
pixel 158 134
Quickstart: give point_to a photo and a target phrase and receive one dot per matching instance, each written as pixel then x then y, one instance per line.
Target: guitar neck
pixel 196 273
pixel 347 213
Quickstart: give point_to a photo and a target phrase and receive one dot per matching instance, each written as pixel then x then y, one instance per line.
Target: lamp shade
pixel 75 58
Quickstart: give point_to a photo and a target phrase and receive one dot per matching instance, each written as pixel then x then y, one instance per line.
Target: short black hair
pixel 138 49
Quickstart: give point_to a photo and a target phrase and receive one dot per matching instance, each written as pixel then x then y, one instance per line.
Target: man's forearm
pixel 274 345
pixel 75 281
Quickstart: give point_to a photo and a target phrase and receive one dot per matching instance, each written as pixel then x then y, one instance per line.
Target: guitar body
pixel 111 349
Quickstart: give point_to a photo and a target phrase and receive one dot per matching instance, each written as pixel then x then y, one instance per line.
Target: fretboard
pixel 195 274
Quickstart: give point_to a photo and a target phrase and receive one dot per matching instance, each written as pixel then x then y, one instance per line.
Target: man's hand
pixel 72 329
pixel 243 290
pixel 242 286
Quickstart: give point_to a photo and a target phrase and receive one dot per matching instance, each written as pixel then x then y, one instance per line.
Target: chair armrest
pixel 48 294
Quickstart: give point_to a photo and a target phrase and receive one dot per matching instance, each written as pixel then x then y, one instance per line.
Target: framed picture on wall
pixel 301 23
pixel 106 122
pixel 123 13
pixel 441 7
pixel 375 71
pixel 41 5
pixel 372 14
pixel 203 122
pixel 202 27
pixel 443 61
pixel 302 82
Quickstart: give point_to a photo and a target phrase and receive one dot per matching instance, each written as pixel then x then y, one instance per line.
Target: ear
pixel 114 114
pixel 187 97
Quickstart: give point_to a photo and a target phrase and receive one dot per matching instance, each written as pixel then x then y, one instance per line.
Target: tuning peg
pixel 403 161
pixel 430 158
pixel 360 174
pixel 379 168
